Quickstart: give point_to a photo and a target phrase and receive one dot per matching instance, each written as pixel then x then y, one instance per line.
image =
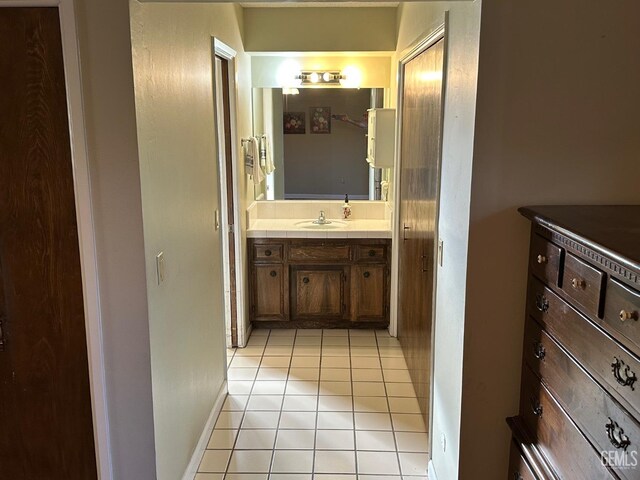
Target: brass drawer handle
pixel 627 315
pixel 367 274
pixel 267 253
pixel 541 259
pixel 538 350
pixel 616 435
pixel 578 283
pixel 542 303
pixel 536 408
pixel 273 273
pixel 305 280
pixel 517 476
pixel 372 253
pixel 623 374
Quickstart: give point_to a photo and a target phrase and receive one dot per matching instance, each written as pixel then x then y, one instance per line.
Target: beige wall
pixel 415 22
pixel 105 51
pixel 313 29
pixel 557 123
pixel 172 53
pixel 267 71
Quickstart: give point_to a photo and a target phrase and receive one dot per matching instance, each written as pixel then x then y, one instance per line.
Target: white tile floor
pixel 314 404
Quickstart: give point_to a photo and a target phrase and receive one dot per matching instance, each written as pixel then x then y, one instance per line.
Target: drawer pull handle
pixel 616 435
pixel 273 273
pixel 578 283
pixel 536 408
pixel 627 315
pixel 542 304
pixel 372 253
pixel 623 374
pixel 541 259
pixel 267 253
pixel 538 350
pixel 517 476
pixel 367 274
pixel 305 280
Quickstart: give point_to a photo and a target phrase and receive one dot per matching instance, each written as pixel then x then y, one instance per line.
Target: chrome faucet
pixel 322 219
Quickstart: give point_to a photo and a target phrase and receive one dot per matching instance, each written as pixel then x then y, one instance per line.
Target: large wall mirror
pixel 317 139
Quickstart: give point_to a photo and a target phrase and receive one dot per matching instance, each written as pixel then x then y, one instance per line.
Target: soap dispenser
pixel 346 208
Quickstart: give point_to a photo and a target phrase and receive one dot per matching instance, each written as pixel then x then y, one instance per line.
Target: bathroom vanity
pixel 319 283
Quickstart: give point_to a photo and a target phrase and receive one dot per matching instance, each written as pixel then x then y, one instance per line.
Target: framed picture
pixel 320 119
pixel 294 122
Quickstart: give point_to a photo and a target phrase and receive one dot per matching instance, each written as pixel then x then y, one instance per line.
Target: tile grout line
pixel 315 433
pixel 353 408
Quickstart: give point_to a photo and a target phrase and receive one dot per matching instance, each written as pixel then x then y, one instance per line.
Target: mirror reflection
pixel 316 142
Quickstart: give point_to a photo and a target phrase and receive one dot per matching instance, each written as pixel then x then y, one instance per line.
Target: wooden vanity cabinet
pixel 314 283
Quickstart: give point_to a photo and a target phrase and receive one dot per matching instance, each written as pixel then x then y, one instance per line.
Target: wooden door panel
pixel 368 287
pixel 318 292
pixel 269 292
pixel 45 406
pixel 419 174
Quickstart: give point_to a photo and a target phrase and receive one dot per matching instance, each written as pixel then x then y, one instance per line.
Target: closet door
pixel 46 429
pixel 419 184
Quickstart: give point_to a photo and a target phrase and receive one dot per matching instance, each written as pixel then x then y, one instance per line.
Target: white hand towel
pixel 266 156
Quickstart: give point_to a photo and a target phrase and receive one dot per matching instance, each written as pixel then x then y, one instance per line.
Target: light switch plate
pixel 160 267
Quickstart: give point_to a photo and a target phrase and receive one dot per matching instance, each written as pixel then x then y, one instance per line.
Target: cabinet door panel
pixel 318 292
pixel 269 292
pixel 368 292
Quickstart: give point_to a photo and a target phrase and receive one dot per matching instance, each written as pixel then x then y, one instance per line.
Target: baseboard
pixel 431 471
pixel 192 468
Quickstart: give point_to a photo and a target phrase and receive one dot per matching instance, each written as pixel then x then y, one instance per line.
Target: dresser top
pixel 612 230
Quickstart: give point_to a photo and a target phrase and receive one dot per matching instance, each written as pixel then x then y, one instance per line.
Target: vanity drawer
pixel 371 253
pixel 622 311
pixel 611 364
pixel 545 260
pixel 269 252
pixel 319 253
pixel 519 468
pixel 583 284
pixel 602 420
pixel 556 435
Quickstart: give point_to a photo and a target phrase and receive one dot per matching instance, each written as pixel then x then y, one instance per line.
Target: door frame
pixel 440 32
pixel 85 222
pixel 224 51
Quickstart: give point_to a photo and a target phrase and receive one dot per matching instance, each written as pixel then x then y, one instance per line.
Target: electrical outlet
pixel 160 267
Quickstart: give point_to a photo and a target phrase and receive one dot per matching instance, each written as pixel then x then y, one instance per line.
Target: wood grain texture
pixel 369 288
pixel 623 299
pixel 45 407
pixel 583 284
pixel 318 292
pixel 519 468
pixel 545 260
pixel 420 164
pixel 269 296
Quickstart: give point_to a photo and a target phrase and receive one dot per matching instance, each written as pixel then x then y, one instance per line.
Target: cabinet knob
pixel 305 280
pixel 267 253
pixel 517 476
pixel 367 274
pixel 372 253
pixel 578 283
pixel 536 408
pixel 538 350
pixel 541 259
pixel 273 273
pixel 627 315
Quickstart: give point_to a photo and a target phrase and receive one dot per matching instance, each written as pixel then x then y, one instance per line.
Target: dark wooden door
pixel 46 429
pixel 318 292
pixel 368 292
pixel 269 292
pixel 419 184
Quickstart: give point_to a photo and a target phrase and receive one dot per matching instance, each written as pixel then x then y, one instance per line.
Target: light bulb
pixel 314 77
pixel 327 77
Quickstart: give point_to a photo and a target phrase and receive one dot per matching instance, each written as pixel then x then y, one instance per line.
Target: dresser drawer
pixel 556 436
pixel 268 252
pixel 610 363
pixel 319 253
pixel 602 420
pixel 583 284
pixel 622 311
pixel 545 260
pixel 519 468
pixel 371 253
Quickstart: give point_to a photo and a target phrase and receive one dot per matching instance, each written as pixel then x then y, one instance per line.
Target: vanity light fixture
pixel 330 77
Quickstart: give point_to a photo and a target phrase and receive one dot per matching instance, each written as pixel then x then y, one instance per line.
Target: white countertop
pixel 287 228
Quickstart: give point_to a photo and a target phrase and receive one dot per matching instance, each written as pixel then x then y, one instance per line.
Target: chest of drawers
pixel 579 414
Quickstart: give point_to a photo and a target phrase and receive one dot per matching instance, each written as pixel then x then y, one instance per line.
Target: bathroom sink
pixel 321 226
